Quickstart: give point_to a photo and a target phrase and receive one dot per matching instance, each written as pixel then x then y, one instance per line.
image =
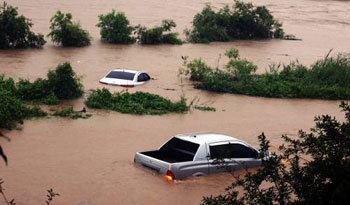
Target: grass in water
pixel 327 78
pixel 140 103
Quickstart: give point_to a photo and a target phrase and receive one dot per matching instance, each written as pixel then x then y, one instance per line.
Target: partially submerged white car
pixel 125 78
pixel 199 154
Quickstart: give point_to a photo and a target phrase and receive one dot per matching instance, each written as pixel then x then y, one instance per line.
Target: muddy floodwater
pixel 91 161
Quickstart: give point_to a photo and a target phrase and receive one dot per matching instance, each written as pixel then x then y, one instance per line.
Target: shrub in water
pixel 136 103
pixel 64 83
pixel 15 30
pixel 13 111
pixel 328 78
pixel 157 34
pixel 35 91
pixel 66 32
pixel 69 112
pixel 115 28
pixel 244 21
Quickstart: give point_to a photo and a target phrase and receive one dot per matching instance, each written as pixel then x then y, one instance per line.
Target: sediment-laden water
pixel 91 161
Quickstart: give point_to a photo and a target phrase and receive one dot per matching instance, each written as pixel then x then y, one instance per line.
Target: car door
pixel 231 156
pixel 220 158
pixel 244 156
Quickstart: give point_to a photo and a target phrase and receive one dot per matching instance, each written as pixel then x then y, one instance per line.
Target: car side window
pixel 241 151
pixel 231 151
pixel 146 77
pixel 143 77
pixel 220 151
pixel 140 78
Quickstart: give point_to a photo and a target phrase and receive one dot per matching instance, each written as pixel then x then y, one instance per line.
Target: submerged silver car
pixel 199 154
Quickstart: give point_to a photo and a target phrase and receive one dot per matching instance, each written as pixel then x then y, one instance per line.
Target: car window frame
pixel 230 142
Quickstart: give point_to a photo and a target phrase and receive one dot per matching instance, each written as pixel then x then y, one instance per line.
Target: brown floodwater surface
pixel 91 161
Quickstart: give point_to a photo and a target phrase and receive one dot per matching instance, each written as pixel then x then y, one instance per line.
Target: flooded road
pixel 91 161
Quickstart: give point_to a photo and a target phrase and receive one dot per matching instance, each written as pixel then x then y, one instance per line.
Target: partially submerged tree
pixel 316 172
pixel 243 21
pixel 64 82
pixel 66 32
pixel 15 30
pixel 115 28
pixel 158 34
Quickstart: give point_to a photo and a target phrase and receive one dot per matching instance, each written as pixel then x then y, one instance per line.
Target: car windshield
pixel 121 75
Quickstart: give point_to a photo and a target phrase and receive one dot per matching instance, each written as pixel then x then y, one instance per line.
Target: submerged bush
pixel 14 111
pixel 68 33
pixel 328 78
pixel 115 28
pixel 135 103
pixel 64 83
pixel 244 21
pixel 158 34
pixel 15 30
pixel 69 112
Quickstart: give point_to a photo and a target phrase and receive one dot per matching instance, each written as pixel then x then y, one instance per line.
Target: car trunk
pixel 175 150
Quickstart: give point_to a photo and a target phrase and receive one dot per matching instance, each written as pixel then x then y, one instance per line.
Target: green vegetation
pixel 66 32
pixel 15 30
pixel 312 168
pixel 115 28
pixel 140 103
pixel 62 83
pixel 328 78
pixel 158 34
pixel 244 21
pixel 205 108
pixel 69 112
pixel 14 111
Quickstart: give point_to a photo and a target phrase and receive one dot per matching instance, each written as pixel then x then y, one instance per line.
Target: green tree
pixel 64 82
pixel 15 30
pixel 311 169
pixel 115 28
pixel 158 34
pixel 66 32
pixel 243 21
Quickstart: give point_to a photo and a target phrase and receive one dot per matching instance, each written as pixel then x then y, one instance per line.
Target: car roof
pixel 206 137
pixel 128 70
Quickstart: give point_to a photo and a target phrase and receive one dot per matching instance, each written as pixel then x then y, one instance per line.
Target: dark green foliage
pixel 205 108
pixel 15 30
pixel 66 32
pixel 198 69
pixel 244 21
pixel 115 28
pixel 135 103
pixel 69 112
pixel 328 78
pixel 13 111
pixel 51 99
pixel 158 35
pixel 35 91
pixel 311 169
pixel 64 83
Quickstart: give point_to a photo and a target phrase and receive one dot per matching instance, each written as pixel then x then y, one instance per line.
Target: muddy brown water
pixel 91 161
